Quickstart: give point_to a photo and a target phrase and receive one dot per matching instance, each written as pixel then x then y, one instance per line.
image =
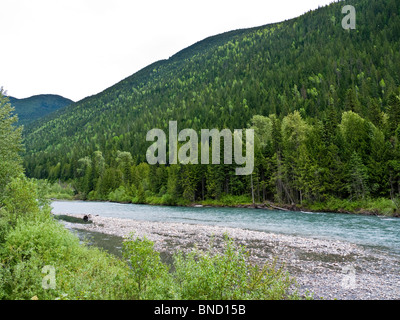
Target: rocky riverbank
pixel 328 269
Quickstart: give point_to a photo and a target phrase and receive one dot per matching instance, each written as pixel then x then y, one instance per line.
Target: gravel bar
pixel 327 268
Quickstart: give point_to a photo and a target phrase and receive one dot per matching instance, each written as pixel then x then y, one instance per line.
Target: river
pixel 370 231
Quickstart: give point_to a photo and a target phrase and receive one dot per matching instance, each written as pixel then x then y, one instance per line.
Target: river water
pixel 378 232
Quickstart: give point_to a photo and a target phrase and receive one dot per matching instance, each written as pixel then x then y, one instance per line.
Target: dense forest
pixel 42 260
pixel 323 101
pixel 36 107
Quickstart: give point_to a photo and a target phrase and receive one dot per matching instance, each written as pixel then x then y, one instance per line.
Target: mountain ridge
pixel 214 39
pixel 137 83
pixel 37 106
pixel 306 74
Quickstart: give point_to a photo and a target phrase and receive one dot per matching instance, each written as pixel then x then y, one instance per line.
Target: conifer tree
pixel 10 143
pixel 358 177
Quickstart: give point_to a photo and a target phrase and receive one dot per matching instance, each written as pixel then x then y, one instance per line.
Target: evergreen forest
pixel 324 102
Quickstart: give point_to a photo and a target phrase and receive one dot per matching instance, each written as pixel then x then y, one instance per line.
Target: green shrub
pixel 60 191
pixel 5 224
pixel 168 200
pixel 146 266
pixel 229 276
pixel 205 275
pixel 154 200
pixel 379 206
pixel 31 239
pixel 119 195
pixel 81 272
pixel 140 195
pixel 21 196
pixel 228 200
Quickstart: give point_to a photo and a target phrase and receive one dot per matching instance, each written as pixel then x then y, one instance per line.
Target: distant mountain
pixel 331 95
pixel 309 64
pixel 35 107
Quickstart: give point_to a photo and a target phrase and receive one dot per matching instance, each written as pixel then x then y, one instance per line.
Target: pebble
pixel 330 269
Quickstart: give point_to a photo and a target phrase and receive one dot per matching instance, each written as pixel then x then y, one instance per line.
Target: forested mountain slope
pixel 36 107
pixel 328 97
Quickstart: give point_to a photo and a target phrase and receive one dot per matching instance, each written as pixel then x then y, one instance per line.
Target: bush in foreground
pixel 31 240
pixel 205 275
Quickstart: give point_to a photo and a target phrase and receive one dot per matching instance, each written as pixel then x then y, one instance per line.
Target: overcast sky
pixel 77 48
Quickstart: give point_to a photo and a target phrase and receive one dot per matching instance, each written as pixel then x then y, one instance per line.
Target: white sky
pixel 77 48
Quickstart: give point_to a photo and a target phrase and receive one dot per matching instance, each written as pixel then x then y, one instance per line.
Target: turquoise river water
pixel 371 231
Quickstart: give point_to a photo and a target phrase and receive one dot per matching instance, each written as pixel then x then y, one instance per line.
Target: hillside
pixel 35 107
pixel 307 74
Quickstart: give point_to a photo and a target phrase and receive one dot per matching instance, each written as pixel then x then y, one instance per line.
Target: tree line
pixel 297 161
